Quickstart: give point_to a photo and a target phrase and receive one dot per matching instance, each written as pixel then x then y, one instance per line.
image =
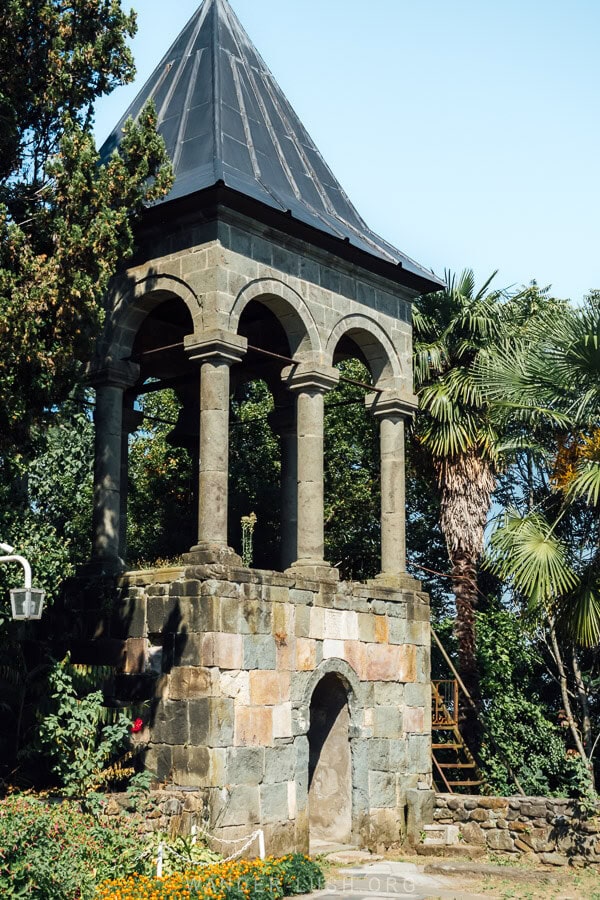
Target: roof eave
pixel 208 200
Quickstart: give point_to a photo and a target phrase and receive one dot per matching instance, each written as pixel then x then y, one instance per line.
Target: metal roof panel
pixel 224 117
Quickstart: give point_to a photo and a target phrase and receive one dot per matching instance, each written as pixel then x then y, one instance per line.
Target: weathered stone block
pixel 253 726
pixel 385 663
pixel 223 650
pixel 340 625
pixel 387 722
pixel 274 802
pixel 417 695
pixel 285 652
pixel 388 693
pixel 187 649
pixel 472 833
pixel 366 627
pixel 171 725
pixel 240 807
pixel 259 651
pixel 198 766
pixel 280 763
pixel 245 765
pixel 188 683
pixel 317 618
pixel 333 649
pixel 159 760
pixel 211 721
pixel 236 685
pixel 306 654
pixel 269 687
pixel 355 653
pixel 419 753
pixel 500 840
pixel 303 619
pixel 413 719
pixel 381 629
pixel 378 754
pixel 382 789
pixel 282 720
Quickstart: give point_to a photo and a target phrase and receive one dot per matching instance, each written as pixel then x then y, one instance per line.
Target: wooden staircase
pixel 454 765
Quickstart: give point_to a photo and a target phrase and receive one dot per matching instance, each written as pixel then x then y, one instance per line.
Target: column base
pixel 100 566
pixel 315 569
pixel 210 554
pixel 399 581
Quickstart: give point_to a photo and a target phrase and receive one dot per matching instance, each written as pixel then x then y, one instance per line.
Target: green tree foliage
pixel 544 379
pixel 352 491
pixel 521 710
pixel 65 220
pixel 455 430
pixel 255 469
pixel 162 511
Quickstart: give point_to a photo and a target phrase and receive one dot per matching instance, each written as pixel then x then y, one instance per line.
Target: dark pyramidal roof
pixel 225 119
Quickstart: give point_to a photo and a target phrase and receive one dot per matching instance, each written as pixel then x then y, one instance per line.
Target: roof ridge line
pixel 216 85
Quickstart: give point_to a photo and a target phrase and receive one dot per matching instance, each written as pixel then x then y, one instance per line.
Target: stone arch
pixel 136 300
pixel 347 676
pixel 375 344
pixel 288 306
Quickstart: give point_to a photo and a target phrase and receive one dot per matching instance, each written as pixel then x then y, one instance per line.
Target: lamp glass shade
pixel 27 603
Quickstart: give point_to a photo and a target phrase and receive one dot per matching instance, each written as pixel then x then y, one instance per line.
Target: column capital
pixel 392 404
pixel 111 372
pixel 217 346
pixel 308 377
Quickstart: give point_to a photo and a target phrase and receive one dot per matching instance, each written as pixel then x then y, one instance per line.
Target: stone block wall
pixel 553 830
pixel 229 660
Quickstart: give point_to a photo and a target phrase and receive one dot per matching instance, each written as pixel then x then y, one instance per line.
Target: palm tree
pixel 548 546
pixel 456 430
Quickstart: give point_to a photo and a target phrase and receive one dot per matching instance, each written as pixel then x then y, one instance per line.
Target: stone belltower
pixel 286 699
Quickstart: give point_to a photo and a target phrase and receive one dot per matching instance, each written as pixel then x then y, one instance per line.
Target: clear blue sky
pixel 466 132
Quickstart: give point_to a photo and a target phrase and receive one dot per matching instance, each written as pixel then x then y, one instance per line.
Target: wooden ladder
pixel 454 764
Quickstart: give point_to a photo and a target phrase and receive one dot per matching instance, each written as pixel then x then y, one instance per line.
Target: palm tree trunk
pixel 467 484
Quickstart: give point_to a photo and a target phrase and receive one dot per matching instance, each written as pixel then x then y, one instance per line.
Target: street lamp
pixel 26 602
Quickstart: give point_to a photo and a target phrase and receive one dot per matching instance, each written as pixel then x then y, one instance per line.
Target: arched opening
pixel 163 444
pixel 330 765
pixel 352 476
pixel 262 435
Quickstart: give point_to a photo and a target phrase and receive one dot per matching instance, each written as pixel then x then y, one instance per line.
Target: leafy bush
pixel 269 879
pixel 80 737
pixel 54 851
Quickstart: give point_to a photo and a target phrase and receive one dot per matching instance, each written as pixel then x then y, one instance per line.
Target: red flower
pixel 137 726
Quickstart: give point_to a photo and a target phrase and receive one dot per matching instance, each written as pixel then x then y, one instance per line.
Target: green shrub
pixel 54 851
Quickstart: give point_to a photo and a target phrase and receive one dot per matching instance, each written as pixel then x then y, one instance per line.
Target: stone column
pixel 310 383
pixel 283 422
pixel 392 410
pixel 216 351
pixel 110 380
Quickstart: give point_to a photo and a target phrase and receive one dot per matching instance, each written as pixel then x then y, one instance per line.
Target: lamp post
pixel 26 602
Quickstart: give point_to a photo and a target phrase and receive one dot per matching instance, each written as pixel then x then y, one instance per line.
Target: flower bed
pixel 268 879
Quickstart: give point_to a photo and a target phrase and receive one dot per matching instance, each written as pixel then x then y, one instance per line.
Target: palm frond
pixel 579 613
pixel 585 484
pixel 524 551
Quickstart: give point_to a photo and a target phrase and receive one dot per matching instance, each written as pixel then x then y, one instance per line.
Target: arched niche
pixel 330 788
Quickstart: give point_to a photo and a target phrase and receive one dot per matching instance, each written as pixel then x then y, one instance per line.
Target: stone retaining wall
pixel 551 829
